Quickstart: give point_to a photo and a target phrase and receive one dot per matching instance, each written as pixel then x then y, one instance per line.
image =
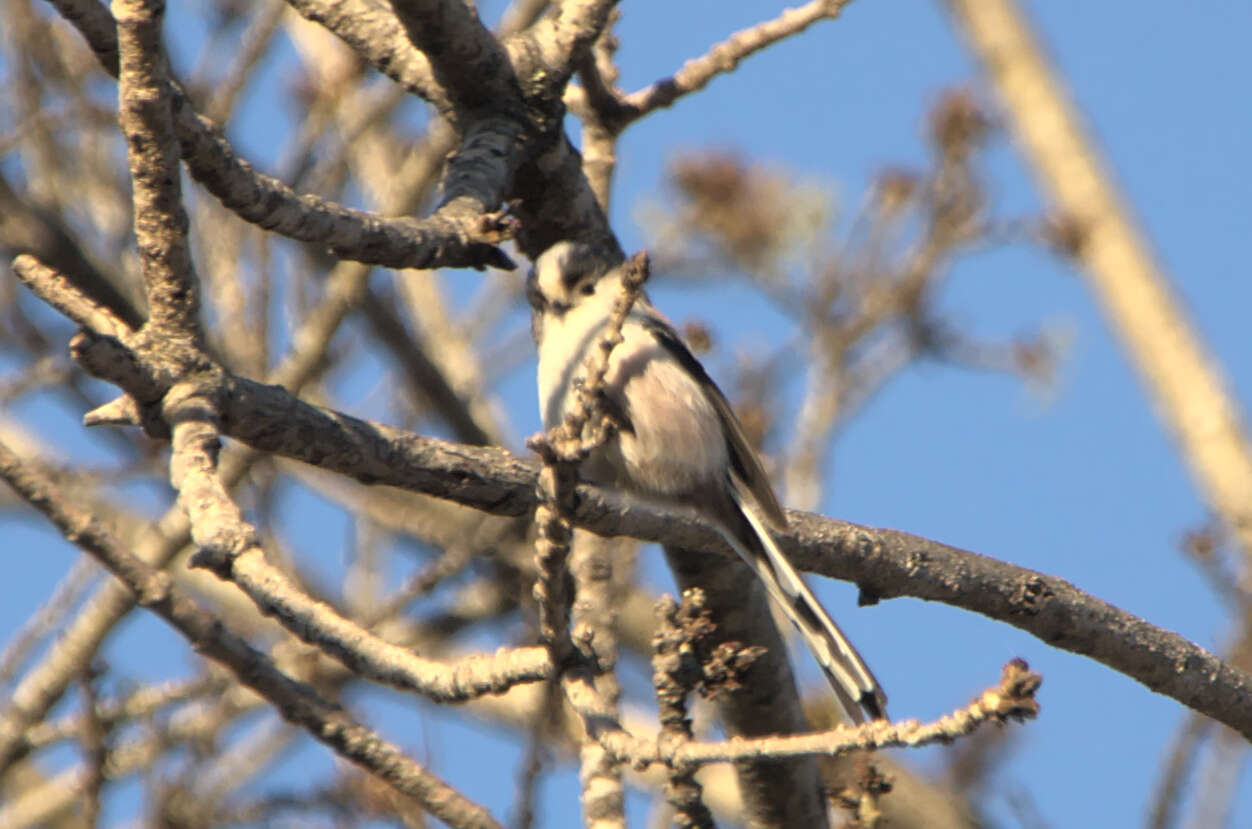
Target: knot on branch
pixel 154 588
pixel 1032 594
pixel 498 227
pixel 861 798
pixel 146 364
pixel 686 655
pixel 1015 697
pixel 1066 233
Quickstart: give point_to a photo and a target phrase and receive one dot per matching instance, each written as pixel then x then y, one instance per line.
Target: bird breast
pixel 670 440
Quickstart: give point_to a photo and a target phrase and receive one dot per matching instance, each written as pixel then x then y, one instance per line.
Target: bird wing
pixel 743 459
pixel 854 684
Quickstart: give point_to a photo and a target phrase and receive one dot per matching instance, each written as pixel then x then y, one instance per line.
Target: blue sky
pixel 1082 483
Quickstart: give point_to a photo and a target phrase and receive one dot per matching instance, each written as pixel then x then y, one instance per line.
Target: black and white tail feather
pixel 752 497
pixel 858 691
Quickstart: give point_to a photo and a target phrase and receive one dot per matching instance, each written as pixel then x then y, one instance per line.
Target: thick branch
pixel 885 563
pixel 507 105
pixel 465 58
pixel 160 220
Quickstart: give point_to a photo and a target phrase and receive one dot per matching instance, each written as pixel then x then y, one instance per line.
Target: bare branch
pixel 373 32
pixel 229 547
pixel 599 141
pixel 326 722
pixel 885 563
pixel 696 73
pixel 59 292
pixel 549 51
pixel 595 630
pixel 160 220
pixel 1012 699
pixel 450 239
pixel 465 57
pixel 42 686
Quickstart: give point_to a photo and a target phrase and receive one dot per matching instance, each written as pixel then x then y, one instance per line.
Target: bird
pixel 677 441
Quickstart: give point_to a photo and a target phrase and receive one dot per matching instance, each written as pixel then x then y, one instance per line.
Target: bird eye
pixel 587 288
pixel 533 296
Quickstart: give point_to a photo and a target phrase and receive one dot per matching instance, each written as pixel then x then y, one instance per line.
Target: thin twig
pixel 1012 699
pixel 721 59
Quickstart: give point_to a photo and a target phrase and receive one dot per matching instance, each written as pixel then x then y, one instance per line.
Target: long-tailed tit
pixel 677 441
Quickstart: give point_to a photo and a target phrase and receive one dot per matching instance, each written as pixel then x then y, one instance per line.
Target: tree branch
pixel 372 31
pixel 548 52
pixel 884 563
pixel 44 684
pixel 617 111
pixel 466 59
pixel 444 239
pixel 296 702
pixel 159 218
pixel 1013 699
pixel 229 547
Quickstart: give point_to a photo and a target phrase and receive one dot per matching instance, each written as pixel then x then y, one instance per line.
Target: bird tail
pixel 858 691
